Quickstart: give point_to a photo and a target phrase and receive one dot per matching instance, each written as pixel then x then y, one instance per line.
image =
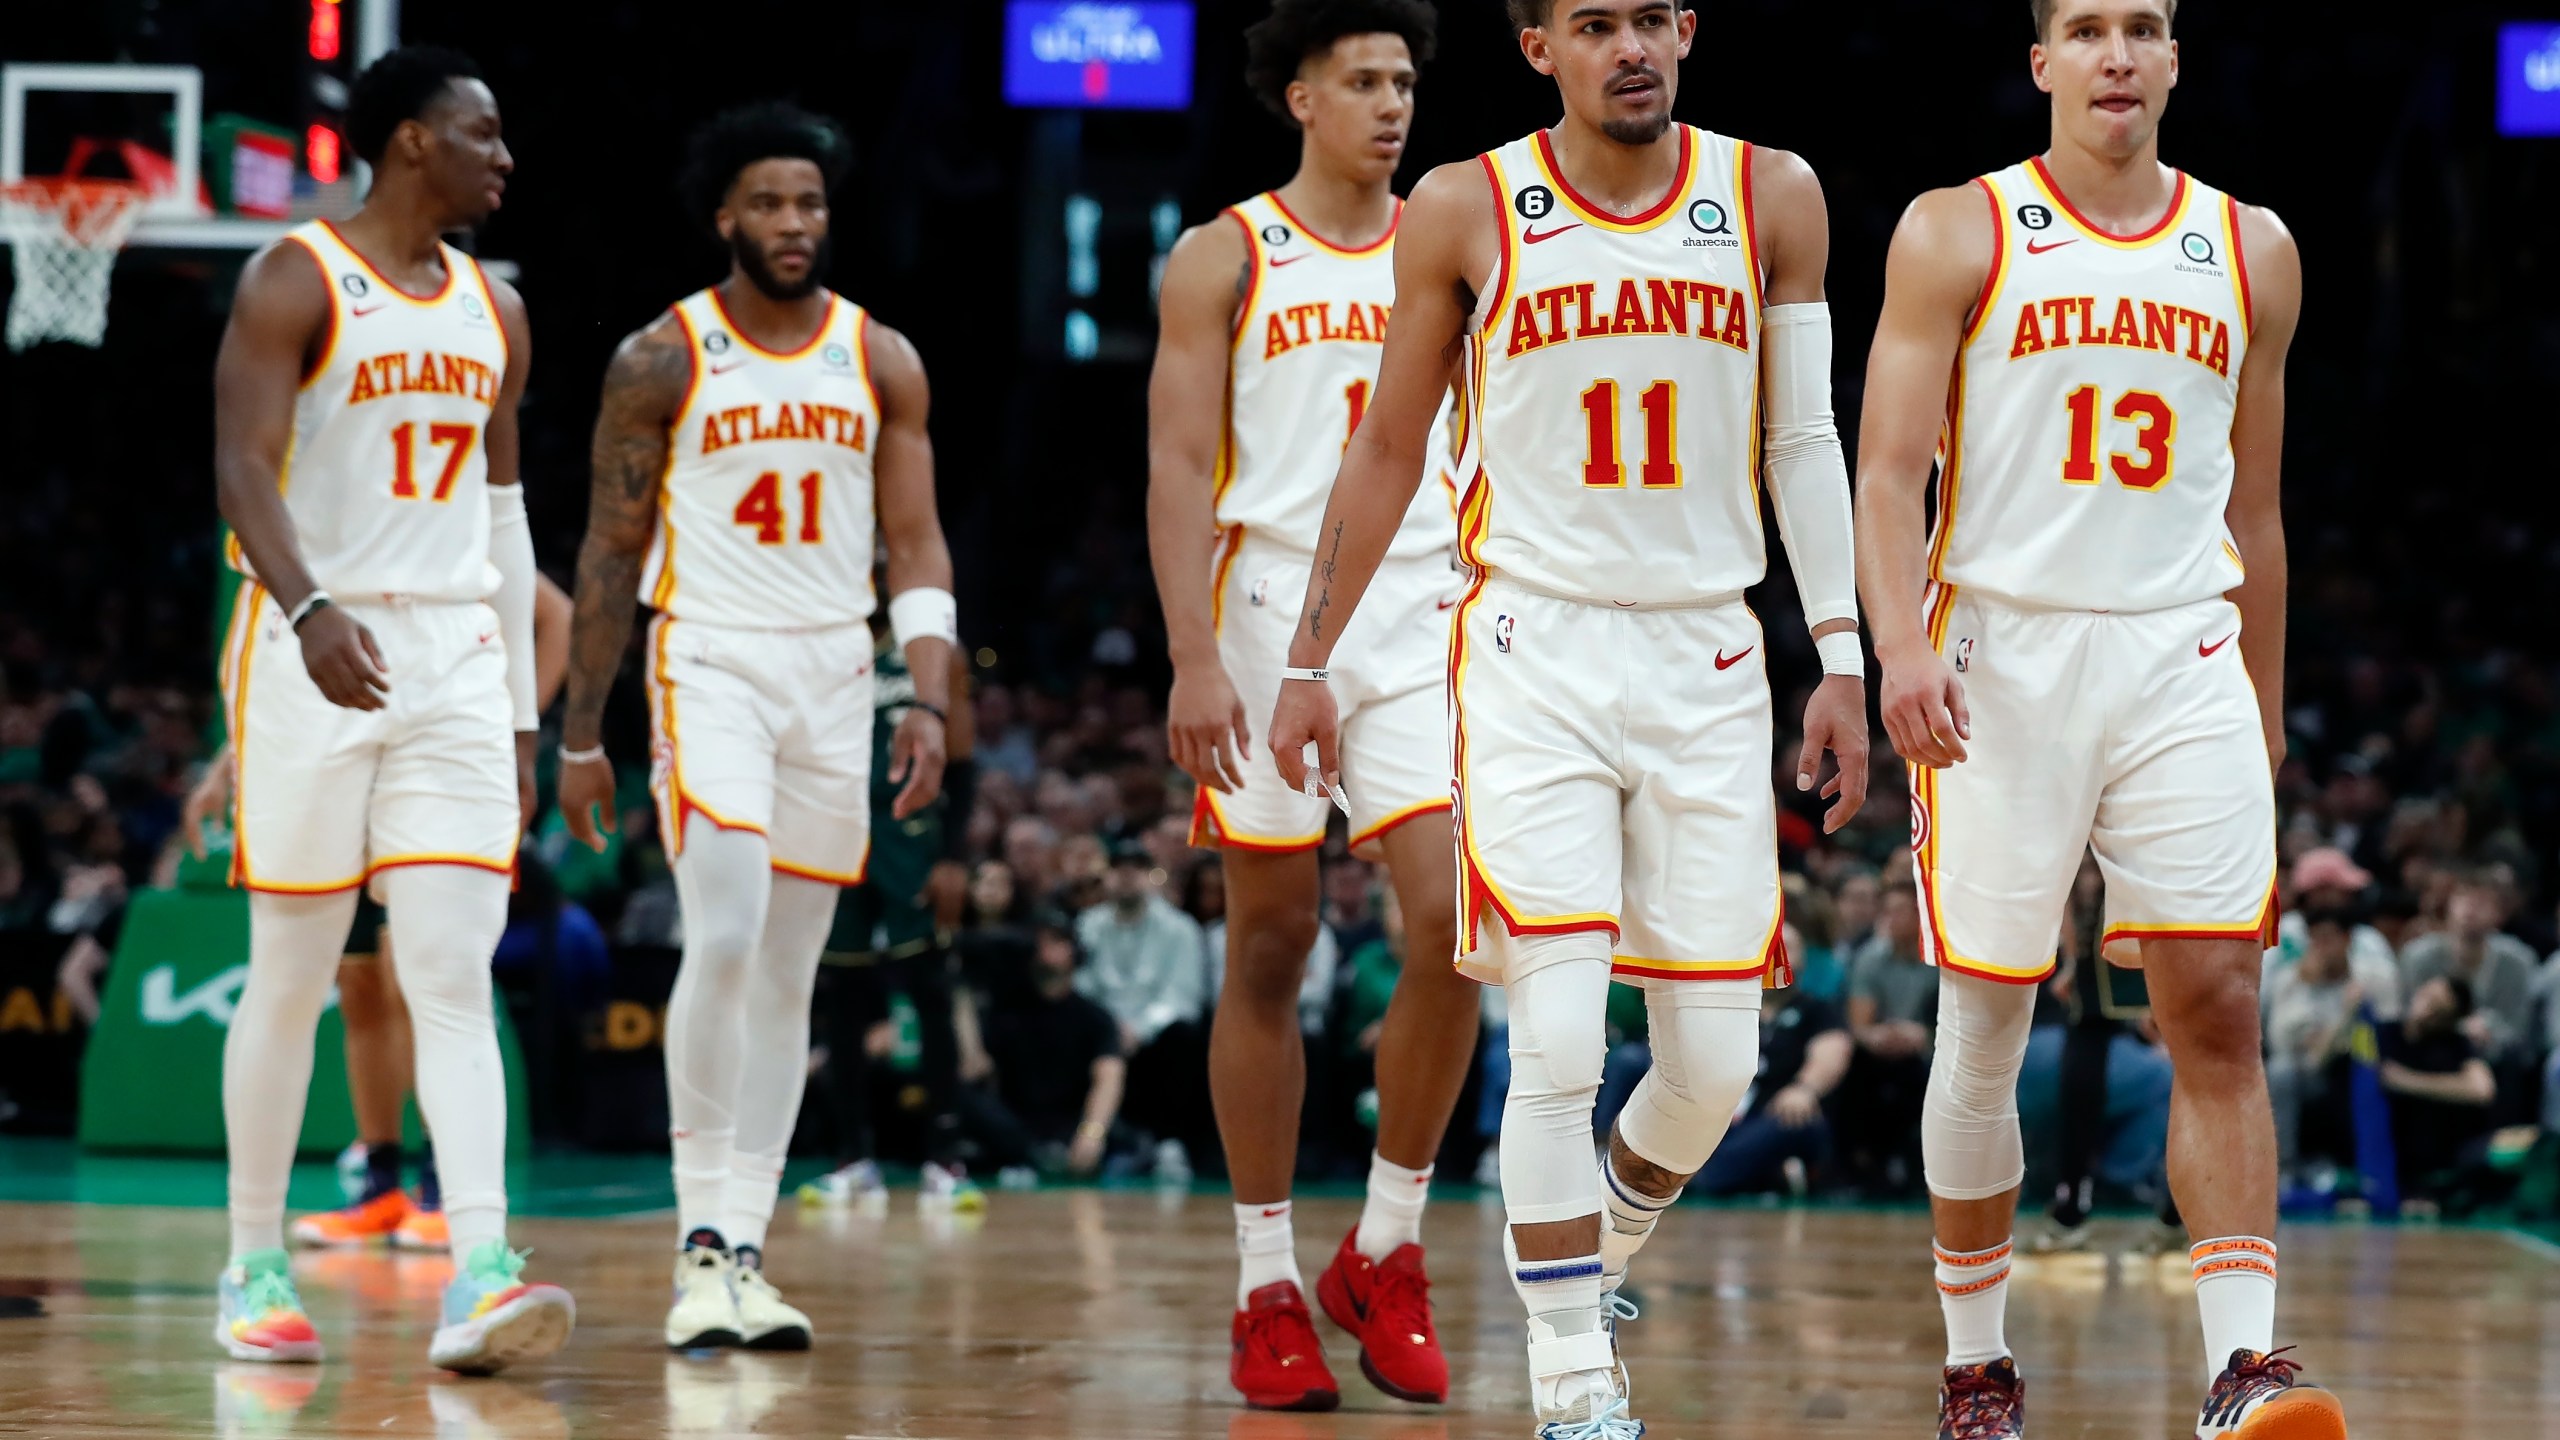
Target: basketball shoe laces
pixel 2245 1382
pixel 1277 1334
pixel 1400 1302
pixel 268 1293
pixel 1981 1408
pixel 1610 1422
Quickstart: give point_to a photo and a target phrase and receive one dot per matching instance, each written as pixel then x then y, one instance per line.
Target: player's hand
pixel 1306 713
pixel 1795 1107
pixel 211 796
pixel 1924 710
pixel 526 796
pixel 915 761
pixel 586 800
pixel 343 660
pixel 1205 728
pixel 1835 719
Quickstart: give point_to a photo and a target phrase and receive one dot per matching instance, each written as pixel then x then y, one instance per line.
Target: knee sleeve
pixel 445 924
pixel 1705 1038
pixel 1969 1142
pixel 1559 1006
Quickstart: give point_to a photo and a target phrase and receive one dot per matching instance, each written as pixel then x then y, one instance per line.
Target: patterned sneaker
pixel 856 1187
pixel 2258 1398
pixel 1386 1305
pixel 362 1223
pixel 1982 1402
pixel 764 1321
pixel 493 1319
pixel 1277 1363
pixel 422 1230
pixel 704 1312
pixel 259 1315
pixel 941 1187
pixel 1608 1420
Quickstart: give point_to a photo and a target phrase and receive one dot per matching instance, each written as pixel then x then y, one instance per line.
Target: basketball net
pixel 63 237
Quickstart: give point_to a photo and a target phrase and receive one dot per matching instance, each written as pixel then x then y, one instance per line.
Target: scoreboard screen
pixel 1091 56
pixel 2529 78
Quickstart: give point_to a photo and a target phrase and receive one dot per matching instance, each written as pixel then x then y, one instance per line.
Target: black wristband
pixel 931 709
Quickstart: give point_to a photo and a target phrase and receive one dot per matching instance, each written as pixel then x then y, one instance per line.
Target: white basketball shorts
pixel 1390 680
pixel 2136 735
pixel 1613 775
pixel 769 731
pixel 327 796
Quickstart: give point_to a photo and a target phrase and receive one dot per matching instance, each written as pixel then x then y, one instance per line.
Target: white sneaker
pixel 948 1188
pixel 705 1311
pixel 1173 1163
pixel 857 1187
pixel 1614 1308
pixel 764 1321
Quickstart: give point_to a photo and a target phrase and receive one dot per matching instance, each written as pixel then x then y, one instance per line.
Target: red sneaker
pixel 1387 1305
pixel 1278 1364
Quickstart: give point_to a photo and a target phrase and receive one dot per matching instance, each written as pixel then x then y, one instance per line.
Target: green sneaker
pixel 493 1319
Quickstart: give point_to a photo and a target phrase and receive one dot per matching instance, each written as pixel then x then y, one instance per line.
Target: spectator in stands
pixel 1893 1002
pixel 1812 919
pixel 2311 1009
pixel 1031 856
pixel 1005 743
pixel 1045 1091
pixel 2325 881
pixel 1351 903
pixel 1144 963
pixel 1854 905
pixel 2496 968
pixel 2441 1089
pixel 1804 1054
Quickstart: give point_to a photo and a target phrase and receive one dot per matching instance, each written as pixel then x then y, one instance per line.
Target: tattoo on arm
pixel 642 389
pixel 1324 597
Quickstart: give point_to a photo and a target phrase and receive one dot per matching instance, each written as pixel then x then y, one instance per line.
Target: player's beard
pixel 751 261
pixel 1642 130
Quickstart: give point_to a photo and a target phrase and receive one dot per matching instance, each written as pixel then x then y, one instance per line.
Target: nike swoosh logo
pixel 1532 237
pixel 1278 261
pixel 1448 604
pixel 1727 662
pixel 725 369
pixel 2206 651
pixel 487 635
pixel 2035 249
pixel 1275 1210
pixel 362 310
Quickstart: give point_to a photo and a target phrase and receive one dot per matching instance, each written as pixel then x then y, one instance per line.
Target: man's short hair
pixel 1278 45
pixel 402 85
pixel 2044 13
pixel 1532 14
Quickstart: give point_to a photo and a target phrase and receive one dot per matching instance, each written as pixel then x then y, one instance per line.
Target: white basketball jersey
pixel 1305 359
pixel 765 518
pixel 1616 372
pixel 2087 459
pixel 387 476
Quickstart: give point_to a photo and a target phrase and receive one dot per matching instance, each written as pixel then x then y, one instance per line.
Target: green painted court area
pixel 568 1185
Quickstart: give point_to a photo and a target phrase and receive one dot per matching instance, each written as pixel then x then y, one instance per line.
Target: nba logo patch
pixel 1964 654
pixel 1261 593
pixel 1502 634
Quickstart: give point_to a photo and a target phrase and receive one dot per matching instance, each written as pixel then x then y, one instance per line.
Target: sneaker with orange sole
pixel 422 1230
pixel 362 1223
pixel 1278 1363
pixel 1386 1305
pixel 2257 1397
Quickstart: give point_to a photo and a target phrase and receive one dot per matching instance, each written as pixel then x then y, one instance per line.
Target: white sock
pixel 722 881
pixel 294 943
pixel 445 924
pixel 1393 1216
pixel 1632 1215
pixel 1267 1247
pixel 2236 1296
pixel 796 920
pixel 1568 1349
pixel 1973 1291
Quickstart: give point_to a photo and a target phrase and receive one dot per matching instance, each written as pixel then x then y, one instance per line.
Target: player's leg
pixel 770 1085
pixel 444 827
pixel 1996 842
pixel 378 1070
pixel 724 878
pixel 2184 836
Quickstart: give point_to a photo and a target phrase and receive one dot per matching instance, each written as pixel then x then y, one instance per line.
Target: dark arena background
pixel 1018 247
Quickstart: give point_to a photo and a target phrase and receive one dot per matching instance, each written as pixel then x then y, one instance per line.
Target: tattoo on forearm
pixel 642 389
pixel 1324 597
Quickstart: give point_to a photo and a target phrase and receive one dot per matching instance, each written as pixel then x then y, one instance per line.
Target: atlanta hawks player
pixel 1640 308
pixel 747 440
pixel 1272 318
pixel 2092 345
pixel 380 679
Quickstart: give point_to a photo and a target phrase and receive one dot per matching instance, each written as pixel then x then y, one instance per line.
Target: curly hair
pixel 1280 43
pixel 767 130
pixel 400 86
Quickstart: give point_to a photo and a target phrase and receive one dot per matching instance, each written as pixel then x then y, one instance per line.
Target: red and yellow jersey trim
pixel 781 866
pixel 1950 473
pixel 1221 567
pixel 826 322
pixel 2262 929
pixel 663 592
pixel 497 322
pixel 2239 265
pixel 506 866
pixel 1378 831
pixel 1253 265
pixel 675 803
pixel 2090 229
pixel 1939 607
pixel 862 357
pixel 1996 276
pixel 1543 149
pixel 1750 227
pixel 1505 260
pixel 450 271
pixel 313 370
pixel 1210 831
pixel 1345 252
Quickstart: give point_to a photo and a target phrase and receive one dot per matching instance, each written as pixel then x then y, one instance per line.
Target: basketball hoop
pixel 63 236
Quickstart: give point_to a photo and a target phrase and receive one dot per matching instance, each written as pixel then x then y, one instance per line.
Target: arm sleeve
pixel 1808 473
pixel 511 552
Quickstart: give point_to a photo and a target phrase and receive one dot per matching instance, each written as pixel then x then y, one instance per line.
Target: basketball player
pixel 1272 315
pixel 365 447
pixel 2089 653
pixel 747 440
pixel 1639 308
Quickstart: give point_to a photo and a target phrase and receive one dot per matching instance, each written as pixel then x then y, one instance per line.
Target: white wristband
pixel 1300 672
pixel 313 601
pixel 589 756
pixel 926 611
pixel 1841 654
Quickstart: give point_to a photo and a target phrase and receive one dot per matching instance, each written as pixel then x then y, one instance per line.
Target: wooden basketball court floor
pixel 1084 1313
